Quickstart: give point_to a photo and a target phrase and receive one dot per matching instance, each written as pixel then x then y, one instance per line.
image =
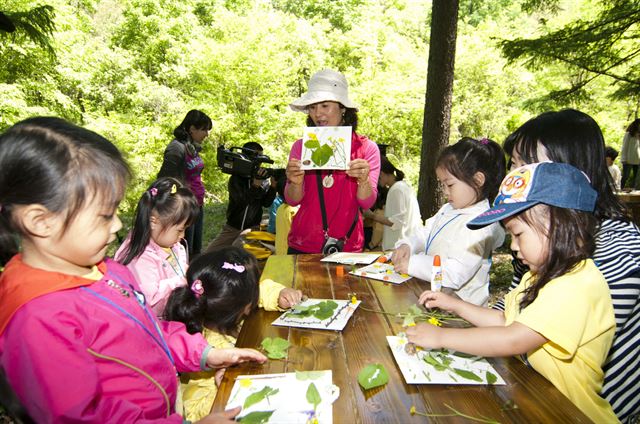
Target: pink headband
pixel 236 267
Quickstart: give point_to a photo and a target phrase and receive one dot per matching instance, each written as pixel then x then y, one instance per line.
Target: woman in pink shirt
pixel 343 193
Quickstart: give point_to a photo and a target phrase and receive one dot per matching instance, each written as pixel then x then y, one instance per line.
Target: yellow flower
pixel 412 410
pixel 435 321
pixel 245 382
pixel 354 300
pixel 411 324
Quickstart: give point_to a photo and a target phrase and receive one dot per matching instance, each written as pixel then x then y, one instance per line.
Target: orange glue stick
pixel 340 271
pixel 436 274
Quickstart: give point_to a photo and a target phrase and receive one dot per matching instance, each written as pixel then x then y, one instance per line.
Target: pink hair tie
pixel 153 191
pixel 484 141
pixel 236 267
pixel 197 289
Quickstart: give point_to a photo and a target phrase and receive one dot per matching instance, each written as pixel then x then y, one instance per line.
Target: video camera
pixel 244 163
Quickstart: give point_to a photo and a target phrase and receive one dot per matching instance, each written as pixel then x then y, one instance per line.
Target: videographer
pixel 247 197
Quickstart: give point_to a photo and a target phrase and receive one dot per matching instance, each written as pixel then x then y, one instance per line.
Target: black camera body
pixel 244 163
pixel 332 245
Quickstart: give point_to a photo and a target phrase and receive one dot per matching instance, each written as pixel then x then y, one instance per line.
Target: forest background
pixel 131 69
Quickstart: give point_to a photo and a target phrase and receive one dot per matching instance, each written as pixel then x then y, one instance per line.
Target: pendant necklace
pixel 327 181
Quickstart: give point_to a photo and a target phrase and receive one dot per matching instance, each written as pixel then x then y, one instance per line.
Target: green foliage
pixel 131 69
pixel 276 348
pixel 321 310
pixel 257 397
pixel 373 375
pixel 257 417
pixel 313 396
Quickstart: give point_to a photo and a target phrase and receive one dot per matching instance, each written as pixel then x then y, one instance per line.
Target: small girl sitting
pixel 152 251
pixel 222 289
pixel 560 317
pixel 470 172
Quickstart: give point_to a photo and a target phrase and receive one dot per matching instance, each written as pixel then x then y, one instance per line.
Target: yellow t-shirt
pixel 575 314
pixel 199 388
pixel 284 217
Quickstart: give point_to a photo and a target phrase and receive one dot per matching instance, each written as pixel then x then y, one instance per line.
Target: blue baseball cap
pixel 551 183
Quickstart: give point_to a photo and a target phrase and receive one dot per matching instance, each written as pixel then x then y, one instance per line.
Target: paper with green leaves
pixel 441 366
pixel 320 314
pixel 326 148
pixel 296 397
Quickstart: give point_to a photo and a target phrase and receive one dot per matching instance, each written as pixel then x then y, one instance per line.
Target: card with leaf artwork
pixel 326 148
pixel 295 397
pixel 440 366
pixel 350 258
pixel 381 271
pixel 320 314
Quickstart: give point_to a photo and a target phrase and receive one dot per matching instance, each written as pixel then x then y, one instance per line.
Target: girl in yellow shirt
pixel 222 289
pixel 560 317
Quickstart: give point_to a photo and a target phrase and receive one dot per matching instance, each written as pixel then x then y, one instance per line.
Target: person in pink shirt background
pixel 78 342
pixel 152 250
pixel 327 103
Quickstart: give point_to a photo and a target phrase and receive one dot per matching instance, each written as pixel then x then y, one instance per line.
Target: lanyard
pixel 175 258
pixel 140 299
pixel 431 238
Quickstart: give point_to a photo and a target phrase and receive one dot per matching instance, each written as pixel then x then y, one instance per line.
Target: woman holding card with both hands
pixel 329 217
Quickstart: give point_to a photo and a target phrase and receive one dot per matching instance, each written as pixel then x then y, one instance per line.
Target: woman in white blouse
pixel 401 212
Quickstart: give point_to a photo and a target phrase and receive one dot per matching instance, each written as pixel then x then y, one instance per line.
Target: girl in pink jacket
pixel 78 342
pixel 152 251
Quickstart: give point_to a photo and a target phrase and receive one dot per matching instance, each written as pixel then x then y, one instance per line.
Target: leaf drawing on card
pixel 313 396
pixel 257 417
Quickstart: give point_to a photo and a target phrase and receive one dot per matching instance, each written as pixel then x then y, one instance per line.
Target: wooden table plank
pixel 363 341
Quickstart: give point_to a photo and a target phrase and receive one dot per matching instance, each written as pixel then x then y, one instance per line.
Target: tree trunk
pixel 437 105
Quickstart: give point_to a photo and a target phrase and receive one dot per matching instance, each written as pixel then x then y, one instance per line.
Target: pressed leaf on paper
pixel 313 396
pixel 257 417
pixel 257 397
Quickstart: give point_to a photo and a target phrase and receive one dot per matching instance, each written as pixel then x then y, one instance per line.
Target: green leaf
pixel 431 360
pixel 463 355
pixel 312 144
pixel 257 417
pixel 322 155
pixel 468 375
pixel 276 348
pixel 313 396
pixel 373 375
pixel 491 377
pixel 257 397
pixel 308 375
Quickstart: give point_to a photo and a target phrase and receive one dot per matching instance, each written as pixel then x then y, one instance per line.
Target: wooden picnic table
pixel 527 396
pixel 632 201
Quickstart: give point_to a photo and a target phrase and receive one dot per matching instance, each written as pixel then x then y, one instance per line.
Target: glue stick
pixel 436 274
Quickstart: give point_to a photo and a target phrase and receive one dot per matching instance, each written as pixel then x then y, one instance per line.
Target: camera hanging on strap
pixel 331 244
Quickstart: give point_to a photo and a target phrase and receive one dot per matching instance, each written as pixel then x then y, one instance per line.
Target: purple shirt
pixel 193 175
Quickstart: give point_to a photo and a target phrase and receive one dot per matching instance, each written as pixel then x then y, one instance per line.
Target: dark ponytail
pixel 195 118
pixel 388 168
pixel 171 201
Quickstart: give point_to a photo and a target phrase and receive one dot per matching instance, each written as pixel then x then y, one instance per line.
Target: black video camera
pixel 244 162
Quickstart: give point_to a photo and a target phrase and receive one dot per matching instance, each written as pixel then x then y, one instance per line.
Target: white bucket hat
pixel 325 85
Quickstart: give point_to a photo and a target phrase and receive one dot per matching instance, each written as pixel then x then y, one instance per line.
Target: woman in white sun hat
pixel 343 193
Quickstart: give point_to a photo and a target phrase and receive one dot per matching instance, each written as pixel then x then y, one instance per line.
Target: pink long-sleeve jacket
pixel 95 353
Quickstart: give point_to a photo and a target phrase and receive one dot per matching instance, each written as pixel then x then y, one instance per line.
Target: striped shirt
pixel 617 255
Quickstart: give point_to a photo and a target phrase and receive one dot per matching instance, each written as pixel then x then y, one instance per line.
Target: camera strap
pixel 325 226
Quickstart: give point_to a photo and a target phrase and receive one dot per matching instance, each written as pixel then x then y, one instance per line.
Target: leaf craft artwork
pixel 275 348
pixel 300 397
pixel 321 314
pixel 381 271
pixel 326 148
pixel 440 366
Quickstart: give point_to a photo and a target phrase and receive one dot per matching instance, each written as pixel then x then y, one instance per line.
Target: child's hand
pixel 424 335
pixel 217 376
pixel 400 258
pixel 221 358
pixel 289 297
pixel 221 417
pixel 432 299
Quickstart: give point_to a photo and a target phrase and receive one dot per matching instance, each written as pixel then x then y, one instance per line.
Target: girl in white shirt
pixel 470 172
pixel 401 216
